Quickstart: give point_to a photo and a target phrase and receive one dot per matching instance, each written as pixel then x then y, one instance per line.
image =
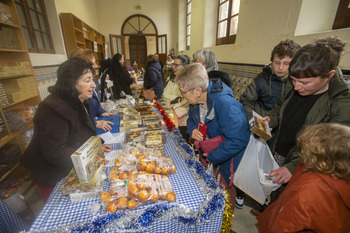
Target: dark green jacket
pixel 332 107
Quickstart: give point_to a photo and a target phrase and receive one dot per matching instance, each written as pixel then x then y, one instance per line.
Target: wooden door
pixel 138 50
pixel 117 44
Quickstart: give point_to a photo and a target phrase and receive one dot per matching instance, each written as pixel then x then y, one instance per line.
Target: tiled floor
pixel 243 222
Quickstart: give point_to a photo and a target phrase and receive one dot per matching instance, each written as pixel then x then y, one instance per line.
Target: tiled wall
pixel 243 74
pixel 45 77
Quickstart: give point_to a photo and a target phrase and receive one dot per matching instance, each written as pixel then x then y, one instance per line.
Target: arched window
pixel 139 25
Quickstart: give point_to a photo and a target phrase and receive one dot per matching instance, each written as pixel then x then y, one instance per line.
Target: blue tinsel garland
pixel 214 201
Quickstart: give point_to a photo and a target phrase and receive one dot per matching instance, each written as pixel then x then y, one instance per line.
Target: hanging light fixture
pixel 138 6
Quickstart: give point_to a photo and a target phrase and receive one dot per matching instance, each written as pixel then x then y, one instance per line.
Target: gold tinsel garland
pixel 227 216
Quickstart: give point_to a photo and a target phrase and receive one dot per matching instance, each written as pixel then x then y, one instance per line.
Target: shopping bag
pixel 181 109
pixel 180 112
pixel 252 174
pixel 206 146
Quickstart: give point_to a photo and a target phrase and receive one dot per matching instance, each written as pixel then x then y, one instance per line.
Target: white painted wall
pixel 83 9
pixel 262 25
pixel 164 14
pixel 310 22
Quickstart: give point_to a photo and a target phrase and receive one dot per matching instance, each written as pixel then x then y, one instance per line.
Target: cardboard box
pixel 72 184
pixel 88 158
pixel 77 191
pixel 259 127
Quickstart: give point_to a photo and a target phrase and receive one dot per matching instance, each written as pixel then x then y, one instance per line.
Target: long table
pixel 197 208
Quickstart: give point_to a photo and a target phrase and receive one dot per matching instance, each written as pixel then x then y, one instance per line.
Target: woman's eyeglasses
pixel 176 65
pixel 183 93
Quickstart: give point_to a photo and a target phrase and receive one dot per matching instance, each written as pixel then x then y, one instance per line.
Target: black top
pixel 294 116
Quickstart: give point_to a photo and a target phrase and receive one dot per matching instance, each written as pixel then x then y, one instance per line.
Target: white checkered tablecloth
pixel 60 211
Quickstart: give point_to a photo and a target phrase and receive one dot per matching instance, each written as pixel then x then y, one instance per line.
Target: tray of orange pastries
pixel 140 189
pixel 156 165
pixel 145 159
pixel 122 173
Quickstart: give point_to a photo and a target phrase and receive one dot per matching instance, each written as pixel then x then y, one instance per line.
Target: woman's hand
pixel 106 148
pixel 105 125
pixel 107 114
pixel 266 118
pixel 282 174
pixel 197 135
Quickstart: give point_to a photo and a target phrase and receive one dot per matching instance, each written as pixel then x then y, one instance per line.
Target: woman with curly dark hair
pixel 317 197
pixel 62 123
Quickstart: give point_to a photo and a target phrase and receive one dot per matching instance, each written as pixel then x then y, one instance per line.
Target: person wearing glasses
pixel 320 95
pixel 212 103
pixel 172 95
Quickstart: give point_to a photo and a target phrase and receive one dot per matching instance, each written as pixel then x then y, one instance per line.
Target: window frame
pixel 188 34
pixel 228 39
pixel 342 16
pixel 31 30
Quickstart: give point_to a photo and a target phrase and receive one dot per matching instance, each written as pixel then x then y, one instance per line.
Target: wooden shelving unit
pixel 78 34
pixel 19 94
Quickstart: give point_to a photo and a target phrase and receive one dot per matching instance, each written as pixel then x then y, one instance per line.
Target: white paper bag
pixel 253 170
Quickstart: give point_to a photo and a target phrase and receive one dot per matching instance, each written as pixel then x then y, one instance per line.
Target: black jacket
pixel 153 79
pixel 263 93
pixel 224 77
pixel 61 126
pixel 121 82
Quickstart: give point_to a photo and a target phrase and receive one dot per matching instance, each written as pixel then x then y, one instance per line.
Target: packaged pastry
pixel 122 173
pixel 88 158
pixel 259 127
pixel 151 188
pixel 153 126
pixel 140 107
pixel 161 165
pixel 71 184
pixel 134 136
pixel 142 188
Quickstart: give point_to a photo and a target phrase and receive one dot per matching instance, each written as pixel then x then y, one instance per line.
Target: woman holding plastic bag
pixel 320 95
pixel 213 107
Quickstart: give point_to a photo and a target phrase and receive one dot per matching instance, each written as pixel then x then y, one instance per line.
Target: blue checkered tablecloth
pixel 60 212
pixel 10 222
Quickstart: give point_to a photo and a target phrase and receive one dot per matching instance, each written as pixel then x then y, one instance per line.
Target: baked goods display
pixel 259 127
pixel 140 172
pixel 71 184
pixel 153 126
pixel 138 190
pixel 142 107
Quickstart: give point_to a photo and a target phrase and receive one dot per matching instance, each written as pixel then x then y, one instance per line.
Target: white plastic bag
pixel 253 170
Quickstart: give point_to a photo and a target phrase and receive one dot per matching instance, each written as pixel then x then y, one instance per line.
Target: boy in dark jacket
pixel 268 86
